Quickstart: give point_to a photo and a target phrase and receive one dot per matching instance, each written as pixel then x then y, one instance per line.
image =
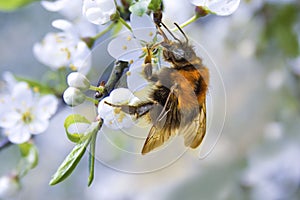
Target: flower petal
pixel 9 79
pixel 69 8
pixel 19 134
pixel 82 59
pixel 53 6
pixel 121 96
pixel 224 8
pixel 62 24
pixel 103 109
pixel 125 48
pixel 9 119
pixel 199 2
pixel 143 27
pixel 46 106
pixel 38 126
pixel 136 81
pixel 98 11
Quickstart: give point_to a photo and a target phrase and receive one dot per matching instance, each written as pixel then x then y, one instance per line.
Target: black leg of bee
pixel 138 110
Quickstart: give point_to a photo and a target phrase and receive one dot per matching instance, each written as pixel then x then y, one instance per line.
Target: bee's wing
pixel 195 131
pixel 164 127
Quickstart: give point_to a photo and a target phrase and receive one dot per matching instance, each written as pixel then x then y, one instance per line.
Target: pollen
pixel 27 117
pixel 36 89
pixel 131 61
pixel 145 50
pixel 58 39
pixel 73 67
pixel 121 117
pixel 117 111
pixel 129 38
pixel 151 34
pixel 67 51
pixel 128 73
pixel 124 47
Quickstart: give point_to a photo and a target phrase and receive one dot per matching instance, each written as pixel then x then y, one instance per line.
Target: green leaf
pixel 25 148
pixel 37 86
pixel 72 160
pixel 155 5
pixel 139 8
pixel 29 159
pixel 92 159
pixel 287 40
pixel 9 5
pixel 75 119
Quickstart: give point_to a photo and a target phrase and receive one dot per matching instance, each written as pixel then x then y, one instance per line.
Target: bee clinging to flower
pixel 177 102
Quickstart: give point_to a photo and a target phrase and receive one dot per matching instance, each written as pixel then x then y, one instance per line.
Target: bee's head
pixel 177 51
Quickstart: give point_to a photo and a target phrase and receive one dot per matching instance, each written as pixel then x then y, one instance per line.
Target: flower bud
pixel 78 80
pixel 9 185
pixel 73 96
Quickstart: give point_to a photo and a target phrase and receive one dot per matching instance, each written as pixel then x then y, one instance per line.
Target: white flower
pixel 9 185
pixel 59 50
pixel 71 9
pixel 114 117
pixel 219 7
pixel 129 47
pixel 27 113
pixel 73 96
pixel 276 177
pixel 98 11
pixel 79 28
pixel 78 80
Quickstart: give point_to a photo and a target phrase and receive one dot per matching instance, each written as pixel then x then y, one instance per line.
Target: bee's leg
pixel 138 110
pixel 147 71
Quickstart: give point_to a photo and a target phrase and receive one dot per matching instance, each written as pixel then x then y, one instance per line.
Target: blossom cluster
pixel 24 112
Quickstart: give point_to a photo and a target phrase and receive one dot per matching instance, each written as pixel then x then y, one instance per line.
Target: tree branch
pixel 114 78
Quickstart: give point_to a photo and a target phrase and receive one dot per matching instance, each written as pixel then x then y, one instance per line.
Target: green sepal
pixel 73 119
pixel 155 5
pixel 139 8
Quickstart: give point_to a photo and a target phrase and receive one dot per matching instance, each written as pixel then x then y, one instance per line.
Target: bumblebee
pixel 177 102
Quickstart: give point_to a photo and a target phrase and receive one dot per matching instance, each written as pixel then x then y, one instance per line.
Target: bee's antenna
pixel 170 32
pixel 162 33
pixel 186 38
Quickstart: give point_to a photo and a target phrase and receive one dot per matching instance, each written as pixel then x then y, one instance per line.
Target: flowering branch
pixel 115 76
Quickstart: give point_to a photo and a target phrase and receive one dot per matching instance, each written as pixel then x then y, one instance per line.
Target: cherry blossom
pixel 98 11
pixel 218 7
pixel 58 50
pixel 27 113
pixel 71 9
pixel 114 117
